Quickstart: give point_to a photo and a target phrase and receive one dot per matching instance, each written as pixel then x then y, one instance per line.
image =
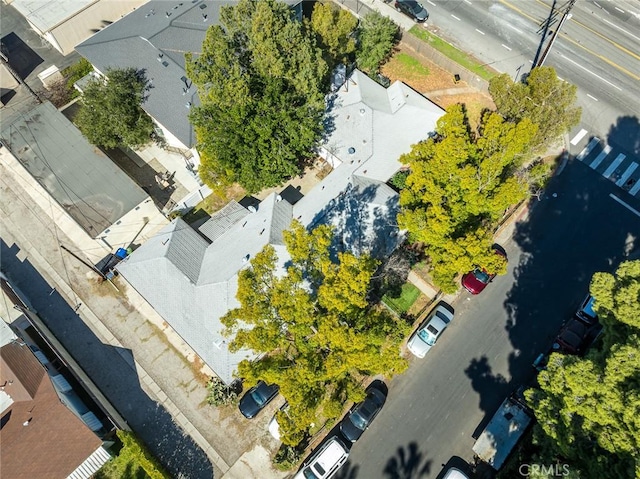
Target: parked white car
pixel 325 462
pixel 427 334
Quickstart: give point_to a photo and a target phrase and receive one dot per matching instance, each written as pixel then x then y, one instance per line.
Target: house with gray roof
pixel 89 197
pixel 155 38
pixel 190 277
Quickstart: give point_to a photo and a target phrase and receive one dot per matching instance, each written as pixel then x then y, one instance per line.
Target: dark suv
pixel 573 337
pixel 412 9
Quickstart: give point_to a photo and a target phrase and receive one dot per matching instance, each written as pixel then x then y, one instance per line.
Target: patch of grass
pixel 411 64
pixel 452 52
pixel 401 304
pixel 215 201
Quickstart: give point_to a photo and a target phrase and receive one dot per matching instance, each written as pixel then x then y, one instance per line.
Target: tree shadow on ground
pixel 112 369
pixel 625 134
pixel 408 463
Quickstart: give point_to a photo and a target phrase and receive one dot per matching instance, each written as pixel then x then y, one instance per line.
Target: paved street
pixel 444 400
pixel 598 49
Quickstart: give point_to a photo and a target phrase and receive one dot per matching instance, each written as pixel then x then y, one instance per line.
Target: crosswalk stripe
pixel 612 167
pixel 635 189
pixel 627 173
pixel 595 163
pixel 579 136
pixel 587 149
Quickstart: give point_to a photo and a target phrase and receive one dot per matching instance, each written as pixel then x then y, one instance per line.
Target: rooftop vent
pixel 252 209
pixel 160 55
pixel 351 150
pixel 246 258
pixel 188 105
pixel 151 12
pixel 362 111
pixel 204 17
pixel 167 14
pixel 278 198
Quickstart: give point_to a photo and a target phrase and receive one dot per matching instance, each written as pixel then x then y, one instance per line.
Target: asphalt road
pixel 436 408
pixel 598 48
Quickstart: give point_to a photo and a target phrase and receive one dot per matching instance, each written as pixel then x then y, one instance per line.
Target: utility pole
pixel 539 61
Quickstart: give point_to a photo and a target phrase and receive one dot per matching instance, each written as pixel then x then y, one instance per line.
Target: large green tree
pixel 111 113
pixel 543 98
pixel 335 28
pixel 260 77
pixel 377 37
pixel 589 408
pixel 460 184
pixel 315 327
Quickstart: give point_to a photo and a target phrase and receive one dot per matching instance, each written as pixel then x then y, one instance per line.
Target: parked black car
pixel 361 415
pixel 573 337
pixel 412 9
pixel 257 398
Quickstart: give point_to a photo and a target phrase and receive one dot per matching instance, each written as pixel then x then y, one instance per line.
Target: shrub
pixel 220 394
pixel 287 457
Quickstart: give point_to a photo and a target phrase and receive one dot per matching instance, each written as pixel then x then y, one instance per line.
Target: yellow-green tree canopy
pixel 543 99
pixel 589 408
pixel 335 28
pixel 460 184
pixel 314 325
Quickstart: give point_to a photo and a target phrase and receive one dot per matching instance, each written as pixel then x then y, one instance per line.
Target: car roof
pixel 455 473
pixel 437 323
pixel 331 453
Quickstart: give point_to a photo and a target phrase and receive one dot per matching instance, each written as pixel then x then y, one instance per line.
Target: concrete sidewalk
pixel 143 367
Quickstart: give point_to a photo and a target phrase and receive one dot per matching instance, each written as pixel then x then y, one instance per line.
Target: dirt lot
pixel 435 83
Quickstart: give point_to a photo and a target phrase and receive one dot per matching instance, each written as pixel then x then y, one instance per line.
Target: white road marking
pixel 578 137
pixel 592 97
pixel 455 17
pixel 506 46
pixel 589 71
pixel 603 154
pixel 431 3
pixel 619 9
pixel 587 149
pixel 597 5
pixel 627 206
pixel 635 189
pixel 627 174
pixel 612 167
pixel 480 31
pixel 621 29
pixel 516 29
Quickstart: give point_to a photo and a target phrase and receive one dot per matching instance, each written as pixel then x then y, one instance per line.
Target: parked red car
pixel 476 280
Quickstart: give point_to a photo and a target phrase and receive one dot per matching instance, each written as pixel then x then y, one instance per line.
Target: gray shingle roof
pixel 353 198
pixel 138 39
pixel 222 220
pixel 87 184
